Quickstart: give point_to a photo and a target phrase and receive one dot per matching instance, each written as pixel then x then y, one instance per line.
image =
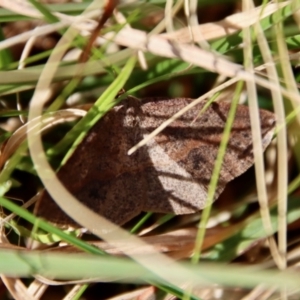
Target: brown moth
pixel 170 174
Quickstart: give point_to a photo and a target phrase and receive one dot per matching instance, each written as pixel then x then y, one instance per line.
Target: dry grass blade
pixel 47 121
pixel 17 289
pixel 261 184
pixel 228 26
pixel 143 293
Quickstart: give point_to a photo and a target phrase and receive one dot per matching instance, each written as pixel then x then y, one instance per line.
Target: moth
pixel 170 174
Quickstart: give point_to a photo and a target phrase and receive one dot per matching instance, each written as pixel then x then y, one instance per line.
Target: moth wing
pixel 184 153
pixel 100 174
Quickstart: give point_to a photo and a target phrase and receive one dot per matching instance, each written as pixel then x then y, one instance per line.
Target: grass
pixel 257 228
